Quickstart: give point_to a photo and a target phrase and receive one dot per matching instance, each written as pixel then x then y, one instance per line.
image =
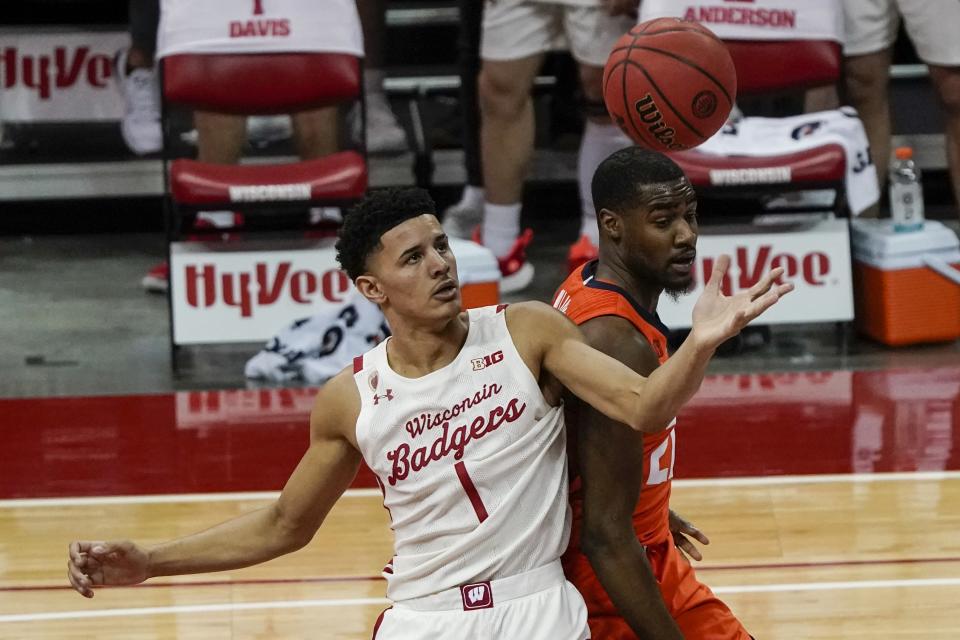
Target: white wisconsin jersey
pixel 756 19
pixel 259 26
pixel 472 462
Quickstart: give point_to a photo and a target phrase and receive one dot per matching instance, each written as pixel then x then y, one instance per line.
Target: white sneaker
pixel 460 219
pixel 384 133
pixel 331 215
pixel 140 126
pixel 265 130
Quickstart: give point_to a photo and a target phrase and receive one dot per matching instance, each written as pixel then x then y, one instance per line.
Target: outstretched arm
pixel 321 477
pixel 547 340
pixel 611 478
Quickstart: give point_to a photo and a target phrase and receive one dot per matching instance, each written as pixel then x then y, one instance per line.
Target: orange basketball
pixel 669 84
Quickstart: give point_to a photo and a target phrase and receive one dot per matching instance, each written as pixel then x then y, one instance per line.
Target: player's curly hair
pixel 378 212
pixel 615 181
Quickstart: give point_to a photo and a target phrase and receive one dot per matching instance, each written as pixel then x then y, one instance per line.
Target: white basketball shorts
pixel 515 29
pixel 871 26
pixel 537 605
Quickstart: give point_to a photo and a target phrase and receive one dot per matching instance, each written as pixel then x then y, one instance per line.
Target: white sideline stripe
pixel 839 586
pixel 356 602
pixel 17 503
pixel 899 476
pixel 904 476
pixel 192 608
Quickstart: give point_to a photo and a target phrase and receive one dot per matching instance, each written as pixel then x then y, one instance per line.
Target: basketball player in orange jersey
pixel 459 417
pixel 622 556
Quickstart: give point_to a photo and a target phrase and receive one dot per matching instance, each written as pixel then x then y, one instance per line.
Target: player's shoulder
pixel 337 404
pixel 618 337
pixel 533 315
pixel 535 326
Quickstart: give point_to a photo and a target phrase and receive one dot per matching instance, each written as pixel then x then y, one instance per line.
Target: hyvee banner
pixel 755 19
pixel 816 261
pixel 241 296
pixel 60 77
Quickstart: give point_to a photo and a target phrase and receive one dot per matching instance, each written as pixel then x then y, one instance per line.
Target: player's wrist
pixel 699 345
pixel 150 563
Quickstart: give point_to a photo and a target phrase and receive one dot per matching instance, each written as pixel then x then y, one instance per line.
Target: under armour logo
pixel 476 596
pixel 388 396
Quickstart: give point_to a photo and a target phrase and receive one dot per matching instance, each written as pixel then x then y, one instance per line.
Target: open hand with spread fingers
pixel 97 564
pixel 718 317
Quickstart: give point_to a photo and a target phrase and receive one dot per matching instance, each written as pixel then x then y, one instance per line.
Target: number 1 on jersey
pixel 471 490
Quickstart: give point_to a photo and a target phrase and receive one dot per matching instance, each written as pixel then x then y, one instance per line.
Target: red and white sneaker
pixel 157 279
pixel 516 273
pixel 581 252
pixel 226 220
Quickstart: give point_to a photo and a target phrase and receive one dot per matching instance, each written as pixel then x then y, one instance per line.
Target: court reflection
pixel 250 440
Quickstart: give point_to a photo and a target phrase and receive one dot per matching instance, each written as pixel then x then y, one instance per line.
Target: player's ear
pixel 611 224
pixel 370 288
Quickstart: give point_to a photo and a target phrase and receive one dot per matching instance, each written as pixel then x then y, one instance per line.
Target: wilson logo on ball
pixel 650 115
pixel 669 84
pixel 704 104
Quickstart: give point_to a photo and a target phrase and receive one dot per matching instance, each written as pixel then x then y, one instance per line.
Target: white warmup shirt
pixel 259 26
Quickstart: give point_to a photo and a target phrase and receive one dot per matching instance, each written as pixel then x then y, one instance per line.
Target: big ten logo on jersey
pixel 260 27
pixel 662 458
pixel 487 361
pixel 206 286
pixel 42 73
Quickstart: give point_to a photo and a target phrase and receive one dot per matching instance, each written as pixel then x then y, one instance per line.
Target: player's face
pixel 660 236
pixel 415 272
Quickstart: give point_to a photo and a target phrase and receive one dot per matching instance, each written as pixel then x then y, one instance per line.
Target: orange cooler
pixel 479 274
pixel 906 285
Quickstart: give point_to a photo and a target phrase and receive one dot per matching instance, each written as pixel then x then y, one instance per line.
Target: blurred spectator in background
pixel 384 134
pixel 138 80
pixel 220 27
pixel 460 219
pixel 136 73
pixel 516 36
pixel 871 29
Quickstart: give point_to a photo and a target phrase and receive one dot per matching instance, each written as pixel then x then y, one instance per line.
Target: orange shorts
pixel 698 612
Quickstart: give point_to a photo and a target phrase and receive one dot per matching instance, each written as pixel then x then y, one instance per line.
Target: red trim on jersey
pixel 358 364
pixel 501 307
pixel 471 490
pixel 376 625
pixel 383 492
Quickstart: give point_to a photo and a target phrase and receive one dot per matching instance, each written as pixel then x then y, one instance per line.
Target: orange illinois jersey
pixel 583 297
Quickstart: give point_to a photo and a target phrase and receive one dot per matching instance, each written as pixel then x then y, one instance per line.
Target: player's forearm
pixel 662 395
pixel 625 573
pixel 252 538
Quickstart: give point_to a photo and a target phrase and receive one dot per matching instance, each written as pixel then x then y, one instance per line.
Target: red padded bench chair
pixel 250 84
pixel 767 67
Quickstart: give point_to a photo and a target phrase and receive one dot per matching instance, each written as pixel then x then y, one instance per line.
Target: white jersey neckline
pixel 468 341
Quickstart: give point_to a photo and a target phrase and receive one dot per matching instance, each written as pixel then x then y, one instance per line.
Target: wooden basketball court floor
pixel 832 500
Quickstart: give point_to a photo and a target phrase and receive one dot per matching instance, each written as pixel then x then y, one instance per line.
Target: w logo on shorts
pixel 477 596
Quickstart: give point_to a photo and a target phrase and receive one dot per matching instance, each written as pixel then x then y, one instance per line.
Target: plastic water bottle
pixel 906 192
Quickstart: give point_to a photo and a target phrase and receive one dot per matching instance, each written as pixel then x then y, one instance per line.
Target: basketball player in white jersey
pixel 459 416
